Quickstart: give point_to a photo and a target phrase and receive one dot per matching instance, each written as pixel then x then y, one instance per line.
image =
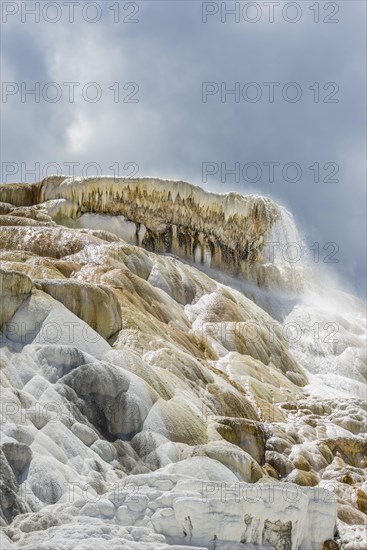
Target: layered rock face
pixel 146 405
pixel 243 235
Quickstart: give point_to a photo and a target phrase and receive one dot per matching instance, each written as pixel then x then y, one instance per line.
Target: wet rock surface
pixel 145 402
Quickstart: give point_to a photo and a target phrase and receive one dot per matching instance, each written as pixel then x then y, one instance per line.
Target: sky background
pixel 168 50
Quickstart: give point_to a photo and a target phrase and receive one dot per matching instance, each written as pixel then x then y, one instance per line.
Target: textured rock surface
pixel 96 305
pixel 146 404
pixel 244 235
pixel 15 288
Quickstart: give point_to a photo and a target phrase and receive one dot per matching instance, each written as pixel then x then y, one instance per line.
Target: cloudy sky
pixel 151 83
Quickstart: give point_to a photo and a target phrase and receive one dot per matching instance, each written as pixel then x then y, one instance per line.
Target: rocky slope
pixel 147 405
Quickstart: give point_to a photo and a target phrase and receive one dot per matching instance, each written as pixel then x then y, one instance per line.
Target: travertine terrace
pixel 145 405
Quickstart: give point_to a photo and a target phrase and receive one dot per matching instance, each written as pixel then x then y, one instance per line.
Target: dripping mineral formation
pixel 163 384
pixel 230 231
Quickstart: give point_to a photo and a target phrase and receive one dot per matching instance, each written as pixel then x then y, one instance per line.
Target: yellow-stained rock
pixel 15 287
pixel 96 305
